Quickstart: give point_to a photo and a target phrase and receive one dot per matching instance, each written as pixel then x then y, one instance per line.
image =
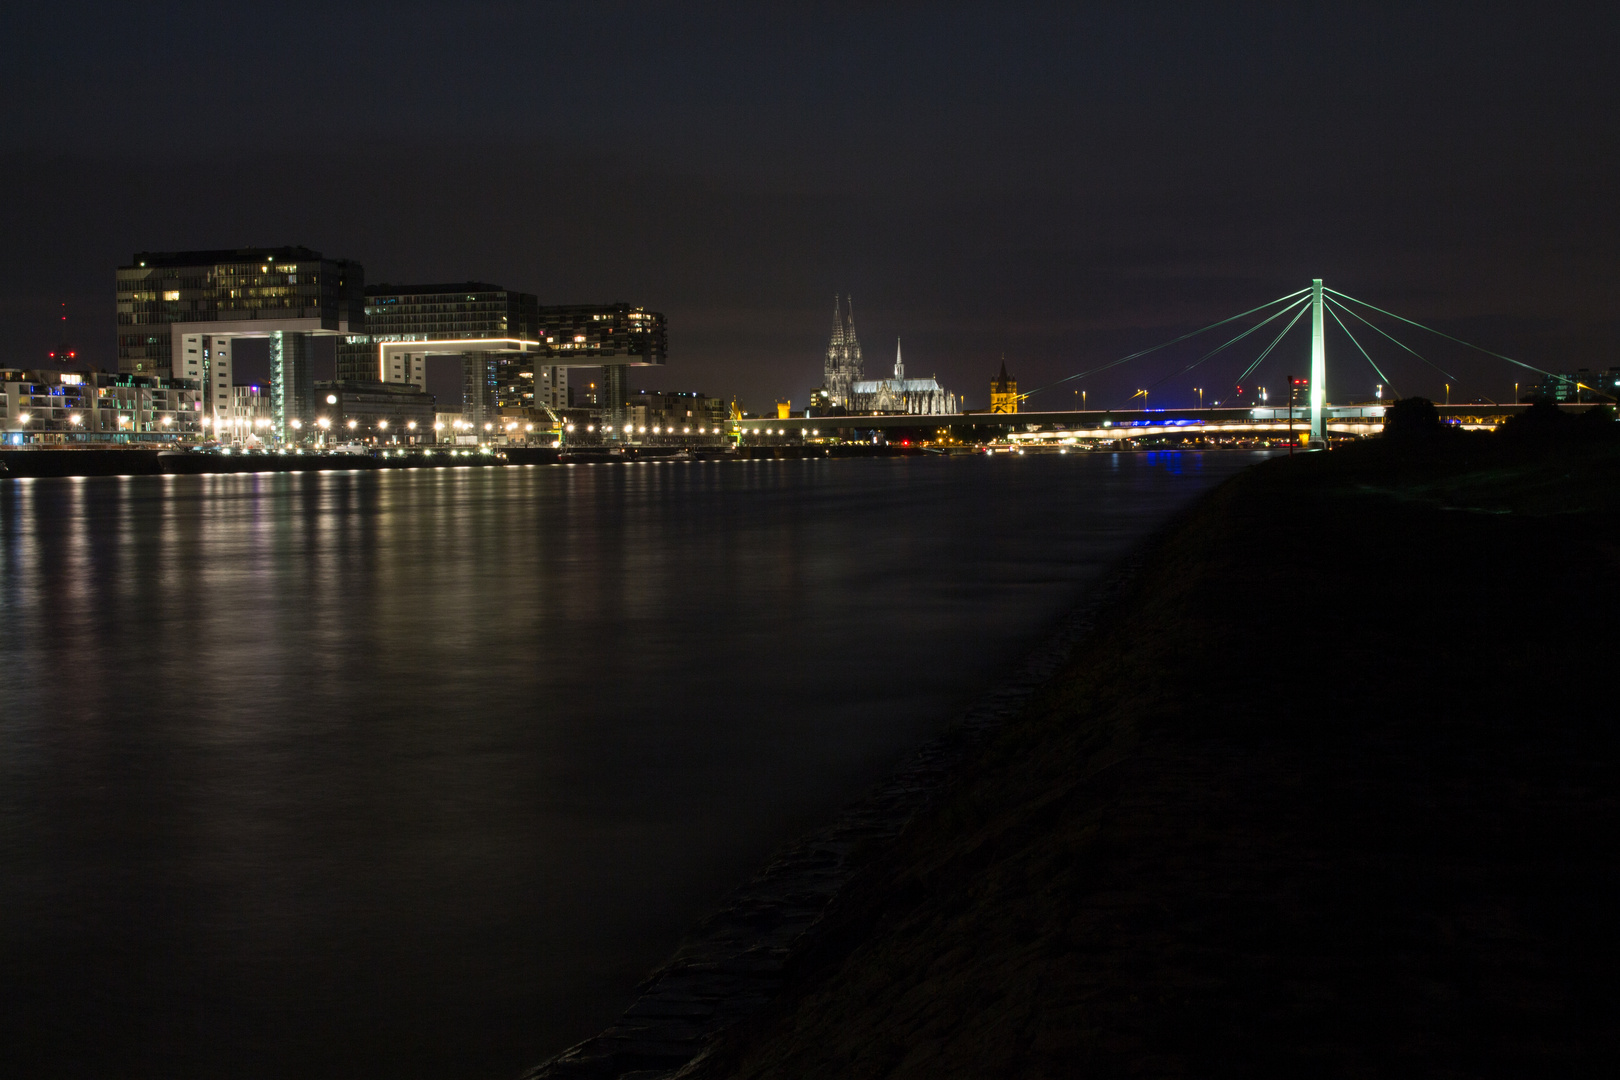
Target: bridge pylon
pixel 1318 364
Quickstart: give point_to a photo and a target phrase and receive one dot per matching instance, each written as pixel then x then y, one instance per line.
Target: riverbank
pixel 1330 791
pixel 143 461
pixel 132 461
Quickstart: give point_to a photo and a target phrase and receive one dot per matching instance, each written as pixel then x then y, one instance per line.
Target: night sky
pixel 985 180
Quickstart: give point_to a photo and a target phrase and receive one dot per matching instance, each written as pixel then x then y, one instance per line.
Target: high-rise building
pixel 615 337
pixel 1003 392
pixel 405 324
pixel 180 311
pixel 843 367
pixel 1580 385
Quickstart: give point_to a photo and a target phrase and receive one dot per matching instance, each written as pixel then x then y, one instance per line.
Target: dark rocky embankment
pixel 1331 792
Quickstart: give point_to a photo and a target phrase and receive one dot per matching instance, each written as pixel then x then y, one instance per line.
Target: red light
pixel 71 355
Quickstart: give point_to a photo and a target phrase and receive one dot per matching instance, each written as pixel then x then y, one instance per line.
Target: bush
pixel 1597 424
pixel 1412 418
pixel 1542 420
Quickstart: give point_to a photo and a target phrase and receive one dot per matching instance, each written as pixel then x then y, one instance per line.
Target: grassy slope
pixel 1333 794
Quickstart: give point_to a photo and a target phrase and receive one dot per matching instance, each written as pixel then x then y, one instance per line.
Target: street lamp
pixel 297 424
pixel 353 424
pixel 382 425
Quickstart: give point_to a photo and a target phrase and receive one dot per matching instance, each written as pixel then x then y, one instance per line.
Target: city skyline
pixel 1057 187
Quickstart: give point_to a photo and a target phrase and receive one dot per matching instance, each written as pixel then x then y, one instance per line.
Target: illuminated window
pixel 171 294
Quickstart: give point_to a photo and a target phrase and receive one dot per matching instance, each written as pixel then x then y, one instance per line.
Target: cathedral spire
pixel 838 322
pixel 851 342
pixel 899 365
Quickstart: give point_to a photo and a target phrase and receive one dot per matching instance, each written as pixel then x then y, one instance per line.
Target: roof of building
pixel 214 257
pixel 902 386
pixel 385 289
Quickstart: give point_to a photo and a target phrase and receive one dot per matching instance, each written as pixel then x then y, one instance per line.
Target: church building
pixel 843 366
pixel 1003 391
pixel 915 397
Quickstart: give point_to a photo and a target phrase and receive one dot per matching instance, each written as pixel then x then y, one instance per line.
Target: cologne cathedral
pixel 917 397
pixel 843 368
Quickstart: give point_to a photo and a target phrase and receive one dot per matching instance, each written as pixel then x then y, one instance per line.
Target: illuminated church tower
pixel 1003 391
pixel 843 365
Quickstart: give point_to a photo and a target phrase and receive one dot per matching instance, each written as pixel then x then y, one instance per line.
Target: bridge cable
pixel 1357 344
pixel 1234 341
pixel 1396 340
pixel 1470 345
pixel 1156 348
pixel 1273 345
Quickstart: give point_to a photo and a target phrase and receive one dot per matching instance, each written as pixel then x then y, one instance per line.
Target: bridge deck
pixel 1245 418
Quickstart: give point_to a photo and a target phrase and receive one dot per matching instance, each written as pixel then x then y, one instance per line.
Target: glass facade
pixel 95 407
pixel 246 285
pixel 292 385
pixel 373 412
pixel 605 334
pixel 458 311
pixel 612 335
pixel 407 323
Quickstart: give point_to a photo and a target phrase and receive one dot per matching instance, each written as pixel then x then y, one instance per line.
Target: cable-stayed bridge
pixel 1314 421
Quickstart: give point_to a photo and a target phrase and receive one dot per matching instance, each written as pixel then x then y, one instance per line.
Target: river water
pixel 416 773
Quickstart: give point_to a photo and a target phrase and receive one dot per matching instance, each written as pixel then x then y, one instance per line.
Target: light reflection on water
pixel 416 773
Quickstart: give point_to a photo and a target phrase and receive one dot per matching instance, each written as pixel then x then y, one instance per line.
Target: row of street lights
pixel 75 419
pixel 631 429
